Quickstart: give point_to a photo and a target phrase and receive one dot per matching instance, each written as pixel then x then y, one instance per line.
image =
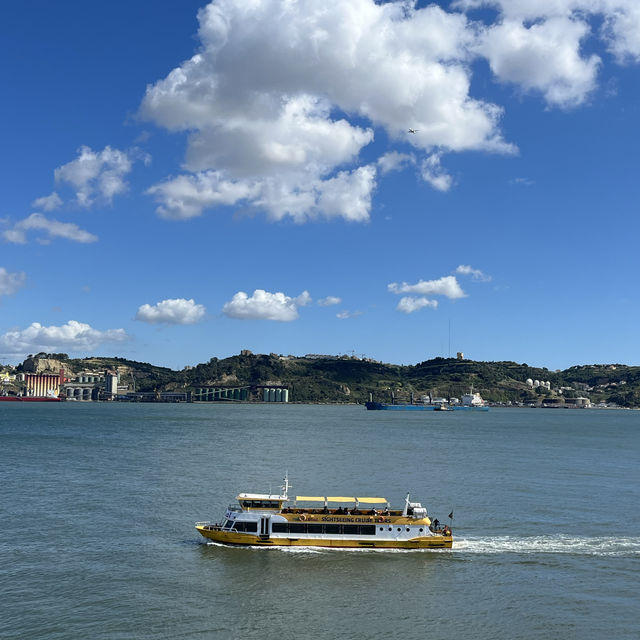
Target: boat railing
pixel 209 526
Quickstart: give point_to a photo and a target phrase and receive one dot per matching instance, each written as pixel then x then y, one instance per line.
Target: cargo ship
pixel 261 519
pixel 470 402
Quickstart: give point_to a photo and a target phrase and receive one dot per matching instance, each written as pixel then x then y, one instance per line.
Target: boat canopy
pixel 341 499
pixel 261 496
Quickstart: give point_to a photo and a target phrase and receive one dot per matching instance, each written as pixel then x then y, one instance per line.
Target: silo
pixel 285 395
pixel 265 394
pixel 278 395
pixel 272 395
pixel 236 394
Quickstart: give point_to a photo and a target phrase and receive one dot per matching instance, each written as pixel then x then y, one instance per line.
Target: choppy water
pixel 98 504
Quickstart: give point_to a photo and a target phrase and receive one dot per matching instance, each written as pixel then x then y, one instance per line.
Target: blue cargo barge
pixel 382 406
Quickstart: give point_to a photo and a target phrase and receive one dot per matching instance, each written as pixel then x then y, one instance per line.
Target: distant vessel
pixel 383 406
pixel 470 402
pixel 262 519
pixel 30 399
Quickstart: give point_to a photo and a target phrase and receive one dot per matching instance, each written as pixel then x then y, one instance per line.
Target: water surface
pixel 98 503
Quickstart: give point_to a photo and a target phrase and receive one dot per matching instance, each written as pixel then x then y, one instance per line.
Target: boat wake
pixel 610 546
pixel 594 546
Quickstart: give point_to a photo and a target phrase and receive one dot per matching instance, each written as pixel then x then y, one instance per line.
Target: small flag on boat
pixel 451 515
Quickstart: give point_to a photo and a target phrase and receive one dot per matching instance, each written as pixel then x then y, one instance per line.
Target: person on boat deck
pixel 339 509
pixel 373 512
pixel 436 522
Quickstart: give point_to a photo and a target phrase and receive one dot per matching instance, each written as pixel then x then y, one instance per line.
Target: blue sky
pixel 182 181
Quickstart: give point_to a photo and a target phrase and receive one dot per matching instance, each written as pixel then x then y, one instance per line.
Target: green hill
pixel 348 379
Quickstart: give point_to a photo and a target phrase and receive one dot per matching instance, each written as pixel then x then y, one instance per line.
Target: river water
pixel 98 503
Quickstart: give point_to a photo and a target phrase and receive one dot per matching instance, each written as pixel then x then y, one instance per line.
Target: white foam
pixel 593 546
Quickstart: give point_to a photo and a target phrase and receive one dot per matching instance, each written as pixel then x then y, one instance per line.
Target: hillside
pixel 345 379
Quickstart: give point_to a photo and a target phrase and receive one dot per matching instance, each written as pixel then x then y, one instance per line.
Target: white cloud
pixel 544 56
pixel 263 305
pixel 185 197
pixel 329 301
pixel 51 228
pixel 97 174
pixel 348 315
pixel 72 336
pixel 259 101
pixel 526 182
pixel 48 203
pixel 433 173
pixel 476 274
pixel 621 30
pixel 282 96
pixel 10 281
pixel 172 311
pixel 538 44
pixel 446 286
pixel 394 161
pixel 409 304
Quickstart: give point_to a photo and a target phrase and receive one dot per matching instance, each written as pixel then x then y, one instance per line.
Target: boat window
pixel 294 527
pixel 331 529
pixel 246 526
pixel 262 504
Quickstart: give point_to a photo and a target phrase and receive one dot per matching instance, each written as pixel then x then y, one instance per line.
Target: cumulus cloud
pixel 476 274
pixel 10 282
pixel 48 203
pixel 540 44
pixel 260 99
pixel 544 56
pixel 263 305
pixel 446 286
pixel 50 228
pixel 329 301
pixel 282 97
pixel 433 173
pixel 72 336
pixel 394 161
pixel 409 304
pixel 97 174
pixel 172 311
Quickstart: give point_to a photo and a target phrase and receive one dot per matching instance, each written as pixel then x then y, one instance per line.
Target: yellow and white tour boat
pixel 273 520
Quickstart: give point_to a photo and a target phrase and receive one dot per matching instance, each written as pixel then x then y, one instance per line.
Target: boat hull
pixel 234 538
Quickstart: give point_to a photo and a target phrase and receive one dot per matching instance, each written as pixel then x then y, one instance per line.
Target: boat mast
pixel 285 487
pixel 405 511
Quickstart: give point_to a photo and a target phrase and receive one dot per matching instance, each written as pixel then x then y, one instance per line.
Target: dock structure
pixel 217 393
pixel 244 393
